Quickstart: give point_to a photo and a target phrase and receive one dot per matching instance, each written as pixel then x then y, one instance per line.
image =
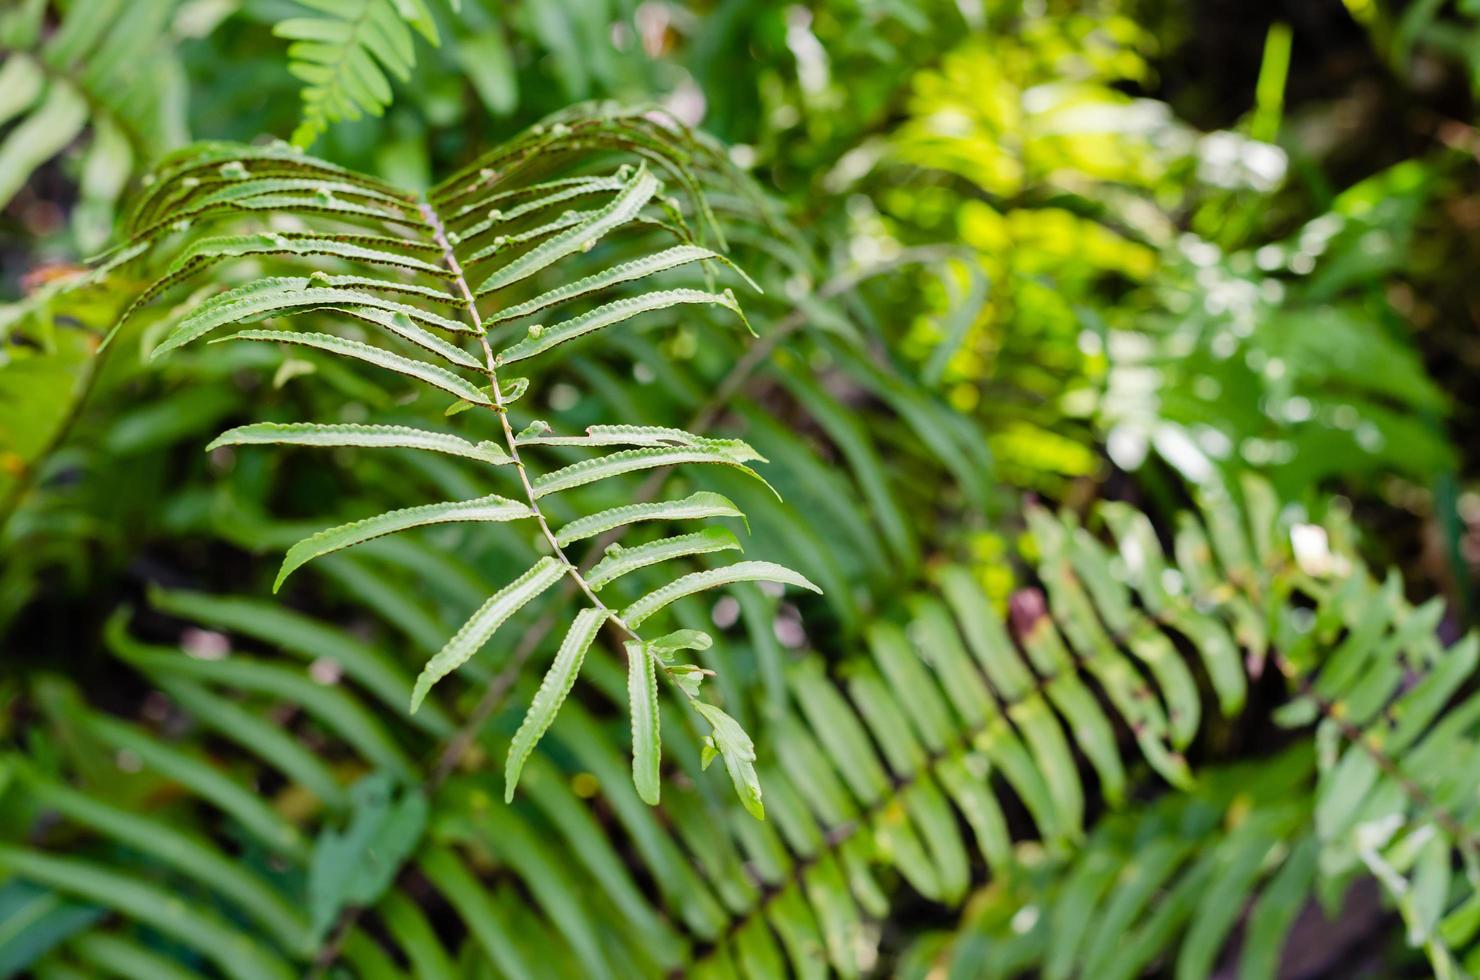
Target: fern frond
pixel 1175 875
pixel 202 199
pixel 894 771
pixel 642 699
pixel 343 57
pixel 109 68
pixel 237 954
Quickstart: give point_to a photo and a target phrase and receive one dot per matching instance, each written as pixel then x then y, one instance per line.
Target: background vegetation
pixel 1114 367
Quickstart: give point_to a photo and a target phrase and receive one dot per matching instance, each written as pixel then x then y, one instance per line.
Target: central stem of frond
pixel 500 408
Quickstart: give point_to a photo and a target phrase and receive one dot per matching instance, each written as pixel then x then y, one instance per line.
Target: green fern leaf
pixel 344 55
pixel 622 209
pixel 742 571
pixel 540 339
pixel 672 258
pixel 495 612
pixel 400 325
pixel 642 695
pixel 632 461
pixel 490 508
pixel 208 250
pixel 738 752
pixel 430 374
pixel 362 436
pixel 637 435
pixel 541 196
pixel 390 254
pixel 556 685
pixel 279 296
pixel 620 561
pixel 696 506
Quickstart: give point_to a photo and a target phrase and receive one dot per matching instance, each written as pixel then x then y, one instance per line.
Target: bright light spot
pixel 326 671
pixel 1213 442
pixel 726 612
pixel 1297 409
pixel 686 102
pixel 1127 448
pixel 811 59
pixel 1312 549
pixel 1233 161
pixel 205 644
pixel 563 397
pixel 1182 453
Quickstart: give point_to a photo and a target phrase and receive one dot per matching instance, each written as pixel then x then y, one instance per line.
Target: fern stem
pixel 465 735
pixel 500 408
pixel 701 422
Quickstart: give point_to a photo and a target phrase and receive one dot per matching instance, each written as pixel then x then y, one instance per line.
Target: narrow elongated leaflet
pixel 642 695
pixel 633 460
pixel 622 209
pixel 503 243
pixel 553 690
pixel 543 195
pixel 495 612
pixel 621 560
pixel 541 339
pixel 693 507
pixel 638 435
pixel 401 326
pixel 270 243
pixel 333 435
pixel 178 190
pixel 741 571
pixel 648 265
pixel 313 204
pixel 277 295
pixel 339 281
pixel 494 217
pixel 239 190
pixel 491 508
pixel 437 377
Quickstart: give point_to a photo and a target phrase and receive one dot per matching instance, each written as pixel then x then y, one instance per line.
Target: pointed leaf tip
pixel 642 693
